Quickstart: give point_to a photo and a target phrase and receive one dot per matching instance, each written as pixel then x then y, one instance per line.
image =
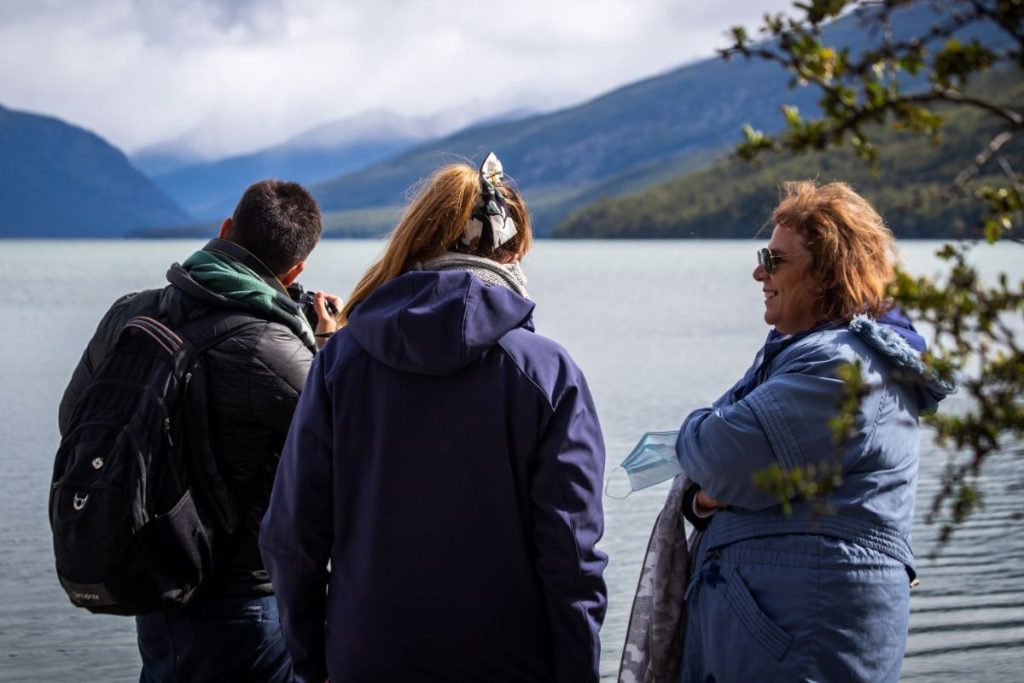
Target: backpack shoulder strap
pixel 202 335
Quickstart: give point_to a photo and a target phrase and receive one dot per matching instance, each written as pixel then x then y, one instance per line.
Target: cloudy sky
pixel 226 76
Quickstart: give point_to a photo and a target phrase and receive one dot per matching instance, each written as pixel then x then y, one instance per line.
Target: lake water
pixel 660 328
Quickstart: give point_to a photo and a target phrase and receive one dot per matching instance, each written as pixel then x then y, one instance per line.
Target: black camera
pixel 305 301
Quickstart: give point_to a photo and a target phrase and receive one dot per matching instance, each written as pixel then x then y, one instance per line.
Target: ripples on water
pixel 967 616
pixel 659 328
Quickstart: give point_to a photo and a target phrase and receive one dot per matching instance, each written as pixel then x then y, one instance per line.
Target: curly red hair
pixel 853 253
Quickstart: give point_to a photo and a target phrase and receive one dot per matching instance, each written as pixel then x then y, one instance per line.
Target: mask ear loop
pixel 608 482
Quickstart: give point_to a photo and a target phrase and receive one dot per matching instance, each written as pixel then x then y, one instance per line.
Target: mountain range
pixel 634 137
pixel 209 190
pixel 59 180
pixel 733 198
pixel 626 141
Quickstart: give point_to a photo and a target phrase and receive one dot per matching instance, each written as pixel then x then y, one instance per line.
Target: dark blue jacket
pixel 448 462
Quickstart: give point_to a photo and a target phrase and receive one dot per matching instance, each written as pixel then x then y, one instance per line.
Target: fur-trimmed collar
pixel 884 339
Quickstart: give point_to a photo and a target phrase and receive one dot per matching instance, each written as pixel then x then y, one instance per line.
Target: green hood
pixel 223 275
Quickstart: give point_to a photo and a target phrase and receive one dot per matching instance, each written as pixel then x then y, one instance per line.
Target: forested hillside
pixel 59 180
pixel 734 199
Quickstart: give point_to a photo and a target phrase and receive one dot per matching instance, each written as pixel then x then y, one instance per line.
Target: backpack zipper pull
pixel 167 430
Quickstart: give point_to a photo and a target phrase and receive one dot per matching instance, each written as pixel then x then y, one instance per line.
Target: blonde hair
pixel 852 251
pixel 433 224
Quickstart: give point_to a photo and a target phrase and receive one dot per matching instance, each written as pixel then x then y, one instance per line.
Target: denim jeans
pixel 219 639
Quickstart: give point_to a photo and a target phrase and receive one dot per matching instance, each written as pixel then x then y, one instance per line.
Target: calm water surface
pixel 660 328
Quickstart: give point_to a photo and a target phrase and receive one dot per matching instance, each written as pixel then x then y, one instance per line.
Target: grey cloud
pixel 141 71
pixel 21 11
pixel 197 20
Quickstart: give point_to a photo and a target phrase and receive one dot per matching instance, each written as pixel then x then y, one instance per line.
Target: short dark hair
pixel 278 222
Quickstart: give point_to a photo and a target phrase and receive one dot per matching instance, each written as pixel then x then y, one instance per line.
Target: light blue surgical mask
pixel 652 461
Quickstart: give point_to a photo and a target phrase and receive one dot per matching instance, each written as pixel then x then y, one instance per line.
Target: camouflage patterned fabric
pixel 653 650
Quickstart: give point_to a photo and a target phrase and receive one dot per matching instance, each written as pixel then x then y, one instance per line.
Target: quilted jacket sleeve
pixel 296 535
pixel 280 363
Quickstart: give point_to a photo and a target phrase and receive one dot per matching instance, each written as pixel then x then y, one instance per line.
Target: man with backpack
pixel 251 346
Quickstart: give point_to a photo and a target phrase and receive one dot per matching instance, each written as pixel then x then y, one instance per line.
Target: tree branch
pixel 982 158
pixel 1012 117
pixel 1012 175
pixel 889 52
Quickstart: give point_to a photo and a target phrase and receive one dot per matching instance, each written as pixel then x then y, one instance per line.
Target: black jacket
pixel 254 382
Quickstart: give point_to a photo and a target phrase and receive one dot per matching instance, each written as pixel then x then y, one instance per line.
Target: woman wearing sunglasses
pixel 793 590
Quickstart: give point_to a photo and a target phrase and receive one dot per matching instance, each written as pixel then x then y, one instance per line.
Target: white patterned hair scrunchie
pixel 489 226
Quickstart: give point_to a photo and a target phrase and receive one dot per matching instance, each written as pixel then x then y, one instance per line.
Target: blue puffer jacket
pixel 808 596
pixel 447 462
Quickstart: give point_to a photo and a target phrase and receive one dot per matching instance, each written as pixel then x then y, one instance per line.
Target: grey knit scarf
pixel 508 275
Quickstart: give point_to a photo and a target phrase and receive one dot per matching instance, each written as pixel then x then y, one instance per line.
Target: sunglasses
pixel 767 260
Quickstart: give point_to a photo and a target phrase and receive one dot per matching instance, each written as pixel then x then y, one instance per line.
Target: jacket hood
pixel 895 337
pixel 277 308
pixel 434 323
pixel 897 321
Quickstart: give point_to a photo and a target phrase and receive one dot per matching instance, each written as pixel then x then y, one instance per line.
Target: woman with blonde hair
pixel 441 479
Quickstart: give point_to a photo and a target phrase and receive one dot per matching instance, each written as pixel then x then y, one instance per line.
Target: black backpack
pixel 138 509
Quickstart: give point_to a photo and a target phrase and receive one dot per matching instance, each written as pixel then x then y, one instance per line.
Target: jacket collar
pixel 246 258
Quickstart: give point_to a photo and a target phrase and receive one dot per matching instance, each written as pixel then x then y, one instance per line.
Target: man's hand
pixel 326 322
